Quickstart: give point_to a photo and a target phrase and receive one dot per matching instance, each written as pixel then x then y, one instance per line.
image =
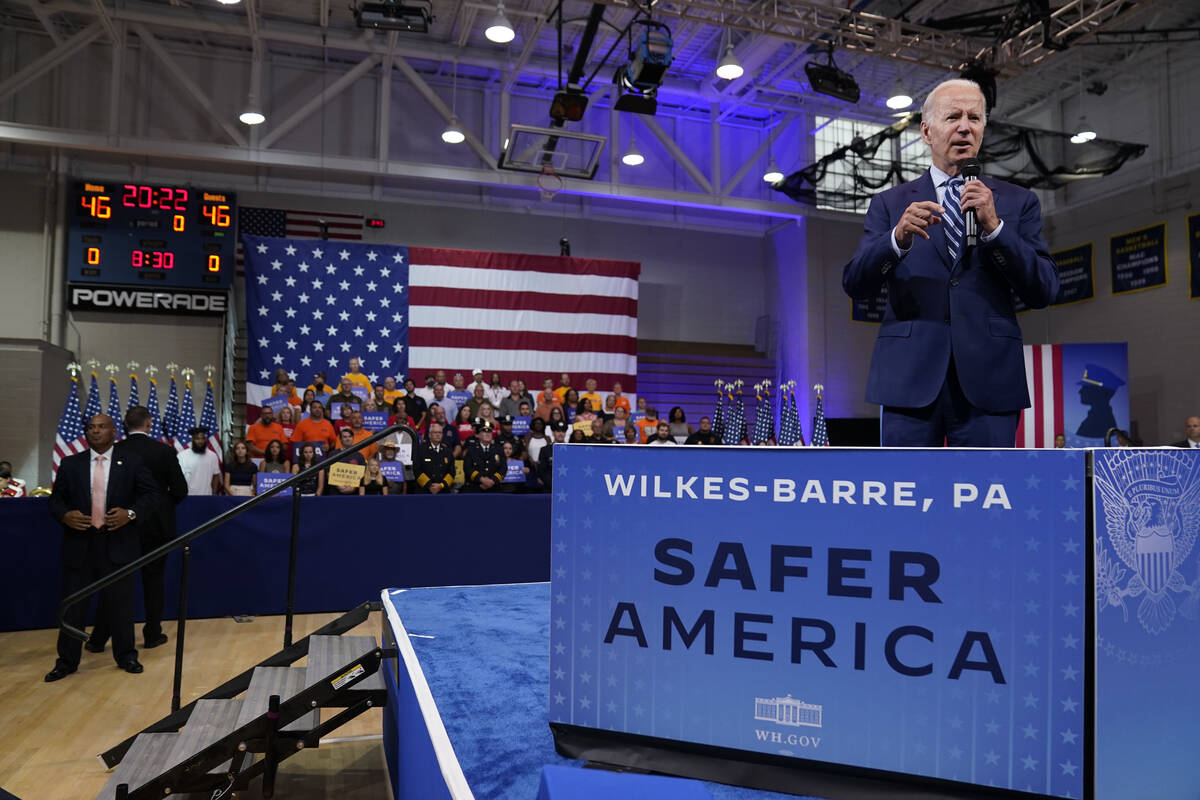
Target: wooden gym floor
pixel 50 733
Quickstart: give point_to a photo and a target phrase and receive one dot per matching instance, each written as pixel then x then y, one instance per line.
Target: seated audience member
pixel 380 398
pixel 280 387
pixel 484 464
pixel 535 440
pixel 546 456
pixel 1191 434
pixel 487 413
pixel 10 486
pixel 525 395
pixel 557 414
pixel 345 442
pixel 373 481
pixel 313 484
pixel 587 412
pixel 418 409
pixel 360 433
pixel 390 390
pixel 619 399
pixel 275 458
pixel 319 386
pixel 200 466
pixel 370 405
pixel 571 404
pixel 705 435
pixel 680 428
pixel 610 408
pixel 401 415
pixel 506 435
pixel 449 434
pixel 287 421
pixel 614 429
pixel 316 428
pixel 345 394
pixel 433 463
pixel 478 398
pixel 564 386
pixel 513 487
pixel 662 434
pixel 293 396
pixel 476 380
pixel 458 391
pixel 263 431
pixel 464 425
pixel 389 451
pixel 592 396
pixel 648 425
pixel 547 401
pixel 511 403
pixel 356 377
pixel 495 391
pixel 240 472
pixel 345 412
pixel 426 392
pixel 440 398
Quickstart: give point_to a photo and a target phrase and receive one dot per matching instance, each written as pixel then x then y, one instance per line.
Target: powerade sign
pixel 146 301
pixel 915 611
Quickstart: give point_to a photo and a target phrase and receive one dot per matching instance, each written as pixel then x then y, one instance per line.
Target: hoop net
pixel 549 183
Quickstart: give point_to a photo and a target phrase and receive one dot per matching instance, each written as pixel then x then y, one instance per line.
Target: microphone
pixel 970 170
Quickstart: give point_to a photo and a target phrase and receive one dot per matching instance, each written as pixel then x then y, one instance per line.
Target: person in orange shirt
pixel 316 428
pixel 620 399
pixel 360 433
pixel 260 434
pixel 648 426
pixel 564 387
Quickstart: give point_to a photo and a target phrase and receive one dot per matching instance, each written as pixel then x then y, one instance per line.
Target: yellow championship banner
pixel 346 474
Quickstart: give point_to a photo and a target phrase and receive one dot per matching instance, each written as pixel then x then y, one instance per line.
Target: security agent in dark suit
pixel 99 536
pixel 546 456
pixel 155 530
pixel 484 464
pixel 948 362
pixel 1192 430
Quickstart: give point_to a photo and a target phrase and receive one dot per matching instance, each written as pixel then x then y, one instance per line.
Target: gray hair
pixel 960 83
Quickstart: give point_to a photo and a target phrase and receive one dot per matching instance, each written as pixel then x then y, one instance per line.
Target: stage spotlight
pixel 827 79
pixel 773 174
pixel 454 132
pixel 500 30
pixel 730 68
pixel 633 157
pixel 640 78
pixel 391 15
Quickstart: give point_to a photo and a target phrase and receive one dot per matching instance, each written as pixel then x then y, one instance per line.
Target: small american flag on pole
pixel 820 437
pixel 208 419
pixel 69 438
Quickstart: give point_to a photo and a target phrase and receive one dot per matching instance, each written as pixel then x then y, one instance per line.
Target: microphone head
pixel 970 168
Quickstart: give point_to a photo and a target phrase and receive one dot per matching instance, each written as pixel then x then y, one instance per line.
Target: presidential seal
pixel 1149 516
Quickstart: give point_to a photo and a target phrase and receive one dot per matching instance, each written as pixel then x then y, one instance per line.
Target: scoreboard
pixel 160 238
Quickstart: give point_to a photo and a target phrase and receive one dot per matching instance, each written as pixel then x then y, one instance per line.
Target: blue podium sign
pixel 1147 517
pixel 912 611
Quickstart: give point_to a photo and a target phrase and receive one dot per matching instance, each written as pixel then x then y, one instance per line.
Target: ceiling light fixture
pixel 229 2
pixel 500 30
pixel 730 68
pixel 454 132
pixel 899 99
pixel 1083 131
pixel 253 114
pixel 773 173
pixel 633 157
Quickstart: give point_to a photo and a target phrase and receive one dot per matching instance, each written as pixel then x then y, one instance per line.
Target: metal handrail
pixel 184 540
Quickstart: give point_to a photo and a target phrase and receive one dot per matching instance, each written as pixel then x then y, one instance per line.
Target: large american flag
pixel 1044 418
pixel 312 305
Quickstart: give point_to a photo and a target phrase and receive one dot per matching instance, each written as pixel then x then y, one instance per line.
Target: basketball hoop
pixel 549 183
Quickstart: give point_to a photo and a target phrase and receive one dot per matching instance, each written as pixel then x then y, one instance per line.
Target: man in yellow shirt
pixel 565 386
pixel 356 377
pixel 592 396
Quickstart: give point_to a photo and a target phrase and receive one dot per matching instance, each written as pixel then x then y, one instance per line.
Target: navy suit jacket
pixel 937 309
pixel 130 486
pixel 160 459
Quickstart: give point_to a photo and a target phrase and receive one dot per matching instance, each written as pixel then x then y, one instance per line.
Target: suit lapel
pixel 925 190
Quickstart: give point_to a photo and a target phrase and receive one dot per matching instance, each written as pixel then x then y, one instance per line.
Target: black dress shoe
pixel 132 666
pixel 59 672
pixel 93 647
pixel 156 641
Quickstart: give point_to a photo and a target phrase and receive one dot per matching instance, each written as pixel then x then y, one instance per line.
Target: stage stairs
pixel 241 730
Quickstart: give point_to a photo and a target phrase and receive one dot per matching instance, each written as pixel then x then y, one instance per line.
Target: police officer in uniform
pixel 506 435
pixel 433 464
pixel 484 465
pixel 546 457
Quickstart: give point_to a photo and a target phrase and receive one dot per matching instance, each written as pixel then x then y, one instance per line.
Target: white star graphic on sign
pixel 304 266
pixel 276 296
pixel 289 280
pixel 318 314
pixel 358 271
pixel 262 311
pixel 291 312
pixel 344 286
pixel 290 250
pixel 276 264
pixel 399 259
pixel 317 283
pixel 385 362
pixel 358 301
pixel 291 344
pixel 344 255
pixel 262 248
pixel 385 272
pixel 330 269
pixel 318 253
pixel 319 346
pixel 371 256
pixel 277 327
pixel 262 280
pixel 371 348
pixel 302 297
pixel 305 361
pixel 358 331
pixel 304 330
pixel 345 347
pixel 371 286
pixel 262 343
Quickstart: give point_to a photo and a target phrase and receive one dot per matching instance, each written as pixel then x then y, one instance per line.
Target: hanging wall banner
pixel 1194 254
pixel 1075 275
pixel 914 611
pixel 1139 259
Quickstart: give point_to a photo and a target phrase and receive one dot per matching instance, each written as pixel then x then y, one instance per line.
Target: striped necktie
pixel 953 218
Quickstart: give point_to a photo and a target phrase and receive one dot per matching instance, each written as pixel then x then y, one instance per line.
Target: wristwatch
pixel 132 514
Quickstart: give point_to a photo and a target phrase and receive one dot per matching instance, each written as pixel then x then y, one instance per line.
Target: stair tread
pixel 210 720
pixel 327 653
pixel 286 682
pixel 147 759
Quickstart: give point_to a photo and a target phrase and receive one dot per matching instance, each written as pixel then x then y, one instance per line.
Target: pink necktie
pixel 98 487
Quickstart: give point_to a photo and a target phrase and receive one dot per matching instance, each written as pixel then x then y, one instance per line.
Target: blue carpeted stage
pixel 349 548
pixel 478 657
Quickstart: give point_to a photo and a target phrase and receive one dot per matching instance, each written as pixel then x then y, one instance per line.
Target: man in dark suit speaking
pixel 97 494
pixel 155 530
pixel 948 363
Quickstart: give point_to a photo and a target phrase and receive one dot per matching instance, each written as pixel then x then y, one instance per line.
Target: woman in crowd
pixel 465 428
pixel 610 408
pixel 313 484
pixel 281 388
pixel 662 434
pixel 240 472
pixel 585 413
pixel 275 458
pixel 571 404
pixel 344 422
pixel 373 481
pixel 678 424
pixel 536 439
pixel 556 415
pixel 287 420
pixel 402 416
pixel 487 412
